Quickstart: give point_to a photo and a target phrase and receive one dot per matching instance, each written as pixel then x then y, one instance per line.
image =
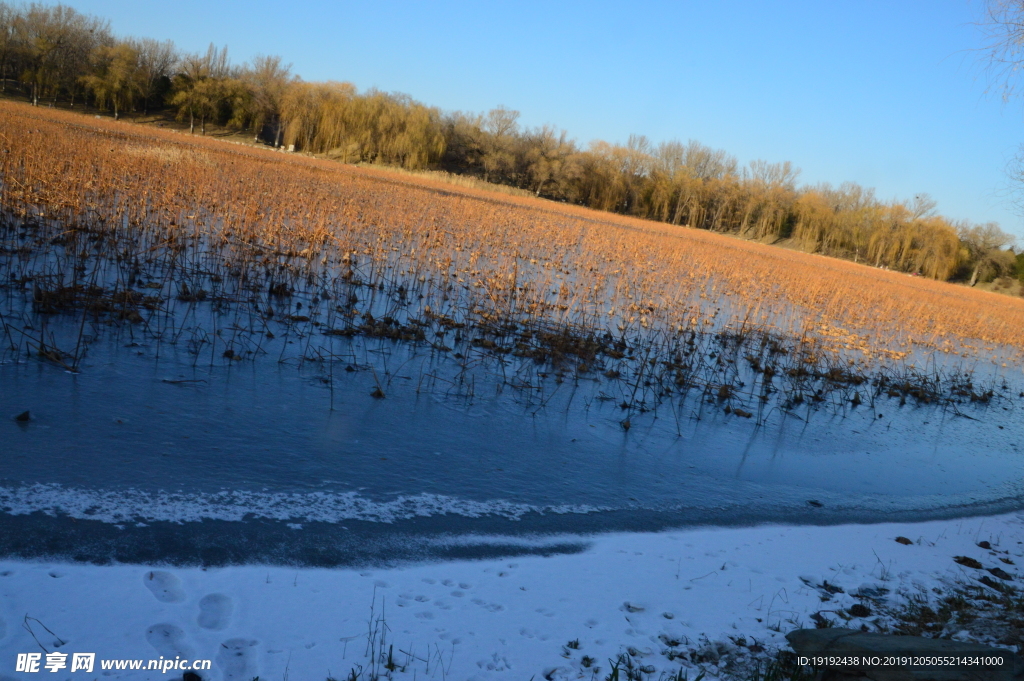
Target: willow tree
pixel 770 194
pixel 307 107
pixel 117 78
pixel 985 246
pixel 199 86
pixel 547 157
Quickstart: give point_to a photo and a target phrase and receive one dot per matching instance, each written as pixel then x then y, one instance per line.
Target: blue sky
pixel 889 94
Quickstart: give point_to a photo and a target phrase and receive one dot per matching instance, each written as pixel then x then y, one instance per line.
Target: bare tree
pixel 1003 26
pixel 8 41
pixel 267 78
pixel 157 62
pixel 54 45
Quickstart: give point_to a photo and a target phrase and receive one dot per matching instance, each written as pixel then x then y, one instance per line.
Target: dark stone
pixel 985 545
pixel 904 541
pixel 860 610
pixel 850 642
pixel 967 561
pixel 1000 573
pixel 191 676
pixel 23 417
pixel 988 581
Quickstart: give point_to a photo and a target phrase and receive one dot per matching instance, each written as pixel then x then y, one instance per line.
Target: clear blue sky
pixel 886 93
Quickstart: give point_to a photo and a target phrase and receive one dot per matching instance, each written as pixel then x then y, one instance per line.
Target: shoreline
pixel 677 600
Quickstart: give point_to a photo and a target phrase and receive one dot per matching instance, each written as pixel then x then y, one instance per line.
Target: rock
pixel 859 610
pixel 988 581
pixel 984 545
pixel 967 561
pixel 851 642
pixel 904 541
pixel 1001 574
pixel 23 417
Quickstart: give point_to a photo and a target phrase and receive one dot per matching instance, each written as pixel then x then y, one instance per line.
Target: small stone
pixel 859 610
pixel 904 541
pixel 985 545
pixel 23 417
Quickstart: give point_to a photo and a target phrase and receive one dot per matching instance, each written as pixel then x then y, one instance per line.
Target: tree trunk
pixel 974 275
pixel 191 124
pixel 678 212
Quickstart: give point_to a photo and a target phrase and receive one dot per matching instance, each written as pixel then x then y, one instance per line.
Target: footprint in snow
pixel 447 582
pixel 237 658
pixel 55 574
pixel 165 586
pixel 495 663
pixel 215 611
pixel 425 615
pixel 168 640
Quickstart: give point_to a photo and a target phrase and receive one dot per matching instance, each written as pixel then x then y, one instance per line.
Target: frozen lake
pixel 146 458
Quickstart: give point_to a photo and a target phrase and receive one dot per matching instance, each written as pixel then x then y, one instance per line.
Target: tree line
pixel 52 54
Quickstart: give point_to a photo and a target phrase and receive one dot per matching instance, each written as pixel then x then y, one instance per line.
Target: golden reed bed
pixel 566 263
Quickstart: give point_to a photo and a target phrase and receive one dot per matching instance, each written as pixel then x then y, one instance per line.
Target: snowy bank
pixel 667 598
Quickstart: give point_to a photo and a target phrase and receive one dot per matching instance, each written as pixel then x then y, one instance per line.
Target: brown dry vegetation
pixel 454 257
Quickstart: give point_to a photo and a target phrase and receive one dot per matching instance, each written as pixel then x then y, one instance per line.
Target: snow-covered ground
pixel 711 591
